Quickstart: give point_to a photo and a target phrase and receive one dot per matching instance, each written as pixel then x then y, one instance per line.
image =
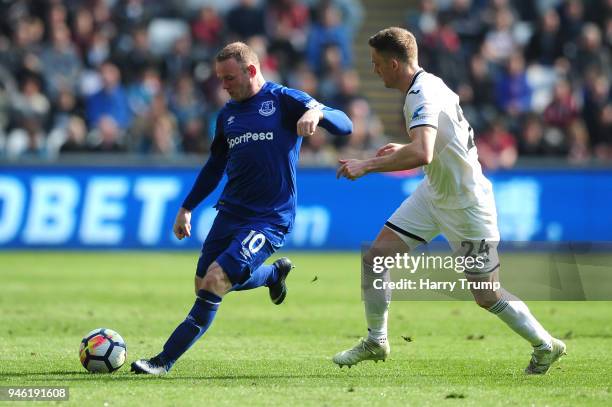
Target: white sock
pixel 376 304
pixel 517 316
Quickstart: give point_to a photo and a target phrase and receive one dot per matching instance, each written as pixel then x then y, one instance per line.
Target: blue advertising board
pixel 134 207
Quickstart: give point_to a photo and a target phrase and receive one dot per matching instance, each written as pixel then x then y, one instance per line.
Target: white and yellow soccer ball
pixel 102 351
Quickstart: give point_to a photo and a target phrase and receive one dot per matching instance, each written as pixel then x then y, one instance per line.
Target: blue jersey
pixel 257 146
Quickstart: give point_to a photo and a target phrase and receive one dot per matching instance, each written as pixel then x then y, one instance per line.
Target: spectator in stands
pixel 578 143
pixel 148 134
pixel 591 55
pixel 31 101
pixel 546 45
pixel 466 23
pixel 75 137
pixel 499 43
pixel 287 23
pixel 100 50
pixel 531 142
pixel 328 31
pixel 140 94
pixel 563 109
pixel 185 101
pixel 107 136
pixel 65 107
pixel 287 26
pixel 538 140
pixel 482 83
pixel 246 20
pixel 26 43
pixel 423 21
pixel 26 140
pixel 130 13
pixel 61 65
pixel 348 91
pixel 367 135
pixel 572 21
pixel 513 91
pixel 82 31
pixel 111 100
pixel 57 15
pixel 304 78
pixel 331 72
pixel 134 53
pixel 207 29
pixel 189 108
pixel 163 138
pixel 497 147
pixel 317 150
pixel 597 114
pixel 447 60
pixel 180 60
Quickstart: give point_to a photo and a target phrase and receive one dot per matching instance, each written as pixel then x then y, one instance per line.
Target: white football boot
pixel 541 360
pixel 364 350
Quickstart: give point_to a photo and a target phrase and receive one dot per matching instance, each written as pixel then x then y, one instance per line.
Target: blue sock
pixel 192 328
pixel 264 275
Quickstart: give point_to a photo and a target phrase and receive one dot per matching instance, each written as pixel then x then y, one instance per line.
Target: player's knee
pixel 216 281
pixel 486 301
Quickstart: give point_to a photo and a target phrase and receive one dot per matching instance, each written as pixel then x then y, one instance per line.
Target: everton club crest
pixel 267 108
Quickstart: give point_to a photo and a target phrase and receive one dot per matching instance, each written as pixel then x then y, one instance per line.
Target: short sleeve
pixel 421 111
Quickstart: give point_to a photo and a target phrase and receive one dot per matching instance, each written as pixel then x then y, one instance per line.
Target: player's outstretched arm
pixel 312 114
pixel 336 122
pixel 332 120
pixel 394 157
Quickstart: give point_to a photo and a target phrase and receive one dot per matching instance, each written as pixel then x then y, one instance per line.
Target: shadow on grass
pixel 74 376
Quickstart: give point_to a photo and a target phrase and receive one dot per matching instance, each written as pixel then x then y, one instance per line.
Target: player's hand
pixel 388 149
pixel 351 169
pixel 182 224
pixel 308 123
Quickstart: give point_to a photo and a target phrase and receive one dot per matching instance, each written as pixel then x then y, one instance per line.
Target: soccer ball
pixel 102 351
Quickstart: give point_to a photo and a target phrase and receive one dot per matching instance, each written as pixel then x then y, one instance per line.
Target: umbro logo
pixel 230 120
pixel 415 92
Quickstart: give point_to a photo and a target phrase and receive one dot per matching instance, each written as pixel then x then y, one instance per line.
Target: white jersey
pixel 454 176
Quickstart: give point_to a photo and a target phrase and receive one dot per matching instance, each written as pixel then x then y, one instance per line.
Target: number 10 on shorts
pixel 254 241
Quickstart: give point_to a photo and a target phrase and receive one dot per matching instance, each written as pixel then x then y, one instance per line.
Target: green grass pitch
pixel 443 353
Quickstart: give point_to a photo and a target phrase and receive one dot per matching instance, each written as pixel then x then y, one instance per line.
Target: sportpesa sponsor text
pixel 250 136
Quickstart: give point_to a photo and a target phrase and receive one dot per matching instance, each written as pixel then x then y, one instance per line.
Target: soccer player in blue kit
pixel 257 141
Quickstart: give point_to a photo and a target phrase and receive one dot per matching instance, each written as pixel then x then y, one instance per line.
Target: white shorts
pixel 470 231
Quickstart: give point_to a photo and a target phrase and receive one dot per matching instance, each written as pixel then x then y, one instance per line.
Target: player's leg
pixel 210 289
pixel 516 314
pixel 376 303
pixel 408 227
pixel 211 283
pixel 273 276
pixel 261 241
pixel 475 229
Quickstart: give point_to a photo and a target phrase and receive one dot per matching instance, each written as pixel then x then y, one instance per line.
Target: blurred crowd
pixel 138 75
pixel 533 76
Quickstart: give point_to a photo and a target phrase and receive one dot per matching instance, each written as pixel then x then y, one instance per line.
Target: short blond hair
pixel 242 53
pixel 396 42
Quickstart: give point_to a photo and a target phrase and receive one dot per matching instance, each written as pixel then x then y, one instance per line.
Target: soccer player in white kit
pixel 454 199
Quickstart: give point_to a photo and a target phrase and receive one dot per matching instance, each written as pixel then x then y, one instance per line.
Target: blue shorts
pixel 239 246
